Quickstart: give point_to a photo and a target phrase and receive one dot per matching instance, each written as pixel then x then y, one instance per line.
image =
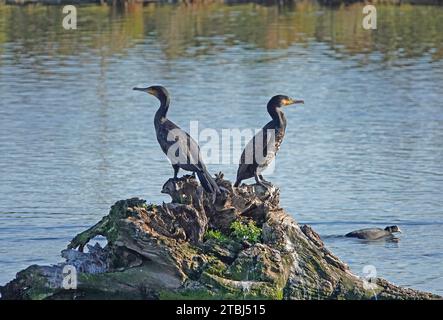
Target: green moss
pixel 246 231
pixel 38 290
pixel 217 236
pixel 231 289
pixel 36 286
pixel 188 294
pixel 217 267
pixel 202 294
pixel 279 294
pixel 240 231
pixel 243 271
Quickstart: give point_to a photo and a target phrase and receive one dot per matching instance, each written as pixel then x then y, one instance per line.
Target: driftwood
pixel 164 252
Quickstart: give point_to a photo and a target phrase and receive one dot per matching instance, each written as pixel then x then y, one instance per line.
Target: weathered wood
pixel 161 252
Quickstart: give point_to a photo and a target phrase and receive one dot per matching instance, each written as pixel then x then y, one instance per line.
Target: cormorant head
pixel 157 91
pixel 282 101
pixel 393 229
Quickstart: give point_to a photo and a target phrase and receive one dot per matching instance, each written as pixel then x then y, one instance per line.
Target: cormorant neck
pixel 277 115
pixel 164 107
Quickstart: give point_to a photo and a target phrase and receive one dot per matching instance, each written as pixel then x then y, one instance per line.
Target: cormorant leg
pixel 264 181
pixel 176 169
pixel 258 180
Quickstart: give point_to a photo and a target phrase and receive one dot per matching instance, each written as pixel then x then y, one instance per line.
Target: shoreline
pixel 330 3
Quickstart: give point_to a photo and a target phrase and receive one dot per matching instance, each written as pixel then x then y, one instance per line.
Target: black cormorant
pixel 374 233
pixel 179 147
pixel 260 152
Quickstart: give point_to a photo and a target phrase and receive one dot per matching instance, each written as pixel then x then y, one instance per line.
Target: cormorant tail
pixel 207 182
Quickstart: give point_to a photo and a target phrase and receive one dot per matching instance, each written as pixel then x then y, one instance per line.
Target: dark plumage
pixel 260 151
pixel 374 233
pixel 179 147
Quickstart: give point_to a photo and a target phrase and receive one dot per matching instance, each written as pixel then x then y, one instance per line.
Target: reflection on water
pixel 365 150
pixel 199 30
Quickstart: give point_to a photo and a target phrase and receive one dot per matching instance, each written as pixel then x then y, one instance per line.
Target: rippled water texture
pixel 365 150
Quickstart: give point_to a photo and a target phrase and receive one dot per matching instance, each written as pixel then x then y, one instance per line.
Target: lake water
pixel 365 150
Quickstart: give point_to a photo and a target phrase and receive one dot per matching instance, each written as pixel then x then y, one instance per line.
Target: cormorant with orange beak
pixel 261 150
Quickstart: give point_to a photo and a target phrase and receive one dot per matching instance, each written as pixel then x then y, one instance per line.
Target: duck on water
pixel 374 233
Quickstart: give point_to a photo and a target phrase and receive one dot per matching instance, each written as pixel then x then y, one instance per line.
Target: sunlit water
pixel 365 150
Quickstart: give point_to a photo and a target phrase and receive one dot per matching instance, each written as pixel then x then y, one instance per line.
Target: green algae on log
pixel 161 252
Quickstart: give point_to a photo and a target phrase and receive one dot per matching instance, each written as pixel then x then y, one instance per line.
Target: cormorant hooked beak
pixel 292 101
pixel 147 90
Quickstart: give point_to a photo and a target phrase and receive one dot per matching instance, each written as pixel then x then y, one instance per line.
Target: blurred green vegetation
pixel 205 28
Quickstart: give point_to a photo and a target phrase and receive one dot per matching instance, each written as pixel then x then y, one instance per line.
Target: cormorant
pixel 259 152
pixel 374 233
pixel 179 147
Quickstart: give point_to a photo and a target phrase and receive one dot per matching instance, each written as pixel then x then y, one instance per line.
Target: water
pixel 365 150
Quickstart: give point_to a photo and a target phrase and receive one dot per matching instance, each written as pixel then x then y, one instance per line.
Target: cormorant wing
pixel 179 146
pixel 249 153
